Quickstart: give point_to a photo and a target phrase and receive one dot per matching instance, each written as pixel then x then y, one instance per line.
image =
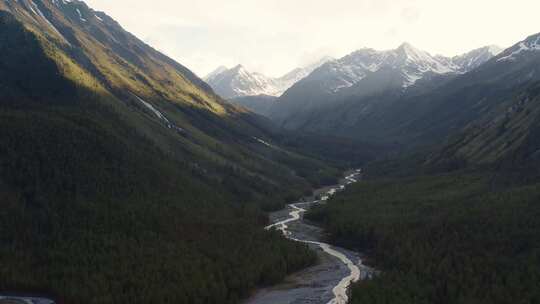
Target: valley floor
pixel 314 285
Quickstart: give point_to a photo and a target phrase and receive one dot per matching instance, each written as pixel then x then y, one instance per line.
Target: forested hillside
pixel 457 223
pixel 445 238
pixel 123 177
pixel 507 141
pixel 456 219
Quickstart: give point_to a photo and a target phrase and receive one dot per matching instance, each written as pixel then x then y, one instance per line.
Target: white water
pixel 341 290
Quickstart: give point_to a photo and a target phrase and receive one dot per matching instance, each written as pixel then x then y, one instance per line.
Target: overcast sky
pixel 275 36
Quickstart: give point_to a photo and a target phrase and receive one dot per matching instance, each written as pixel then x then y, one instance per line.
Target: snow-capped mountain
pixel 369 72
pixel 289 79
pixel 473 59
pixel 216 72
pixel 239 82
pixel 531 44
pixel 410 63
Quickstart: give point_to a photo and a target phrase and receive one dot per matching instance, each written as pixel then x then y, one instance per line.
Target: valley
pixel 127 178
pixel 327 282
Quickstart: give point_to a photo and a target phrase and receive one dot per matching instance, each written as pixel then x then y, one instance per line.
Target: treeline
pixel 441 239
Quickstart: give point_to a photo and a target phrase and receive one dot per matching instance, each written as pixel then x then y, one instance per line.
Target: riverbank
pixel 326 282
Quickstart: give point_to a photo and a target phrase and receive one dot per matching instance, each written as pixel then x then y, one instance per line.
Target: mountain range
pixel 239 82
pixel 372 70
pixel 369 72
pixel 478 108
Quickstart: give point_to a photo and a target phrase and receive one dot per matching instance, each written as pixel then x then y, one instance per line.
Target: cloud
pixel 410 14
pixel 275 36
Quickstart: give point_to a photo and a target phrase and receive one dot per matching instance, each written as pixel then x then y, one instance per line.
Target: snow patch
pixel 153 110
pixel 263 142
pixel 80 15
pixel 28 300
pixel 160 115
pixel 523 46
pixel 410 79
pixel 413 65
pixel 35 9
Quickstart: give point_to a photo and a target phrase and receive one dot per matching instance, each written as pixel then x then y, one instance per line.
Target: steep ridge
pixel 112 62
pixel 485 117
pixel 439 223
pixel 348 83
pixel 475 58
pixel 239 82
pixel 122 173
pixel 480 95
pixel 508 140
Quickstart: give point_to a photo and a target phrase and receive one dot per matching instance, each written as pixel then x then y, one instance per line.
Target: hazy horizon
pixel 274 37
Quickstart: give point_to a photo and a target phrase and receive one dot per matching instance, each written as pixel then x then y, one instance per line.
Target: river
pixel 328 281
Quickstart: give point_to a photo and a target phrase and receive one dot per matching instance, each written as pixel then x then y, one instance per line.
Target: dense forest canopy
pixel 104 202
pixel 443 238
pixel 124 178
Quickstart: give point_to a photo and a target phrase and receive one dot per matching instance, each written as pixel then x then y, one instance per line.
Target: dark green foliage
pixel 91 218
pixel 343 152
pixel 100 202
pixel 441 239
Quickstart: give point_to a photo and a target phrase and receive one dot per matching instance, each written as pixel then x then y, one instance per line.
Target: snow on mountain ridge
pixel 531 44
pixel 411 63
pixel 298 74
pixel 475 58
pixel 214 73
pixel 422 59
pixel 351 69
pixel 408 64
pixel 239 82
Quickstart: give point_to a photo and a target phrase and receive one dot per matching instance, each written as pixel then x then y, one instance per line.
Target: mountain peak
pixel 215 73
pixel 409 63
pixel 473 59
pixel 239 82
pixel 221 68
pixel 238 67
pixel 406 46
pixel 413 53
pixel 494 49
